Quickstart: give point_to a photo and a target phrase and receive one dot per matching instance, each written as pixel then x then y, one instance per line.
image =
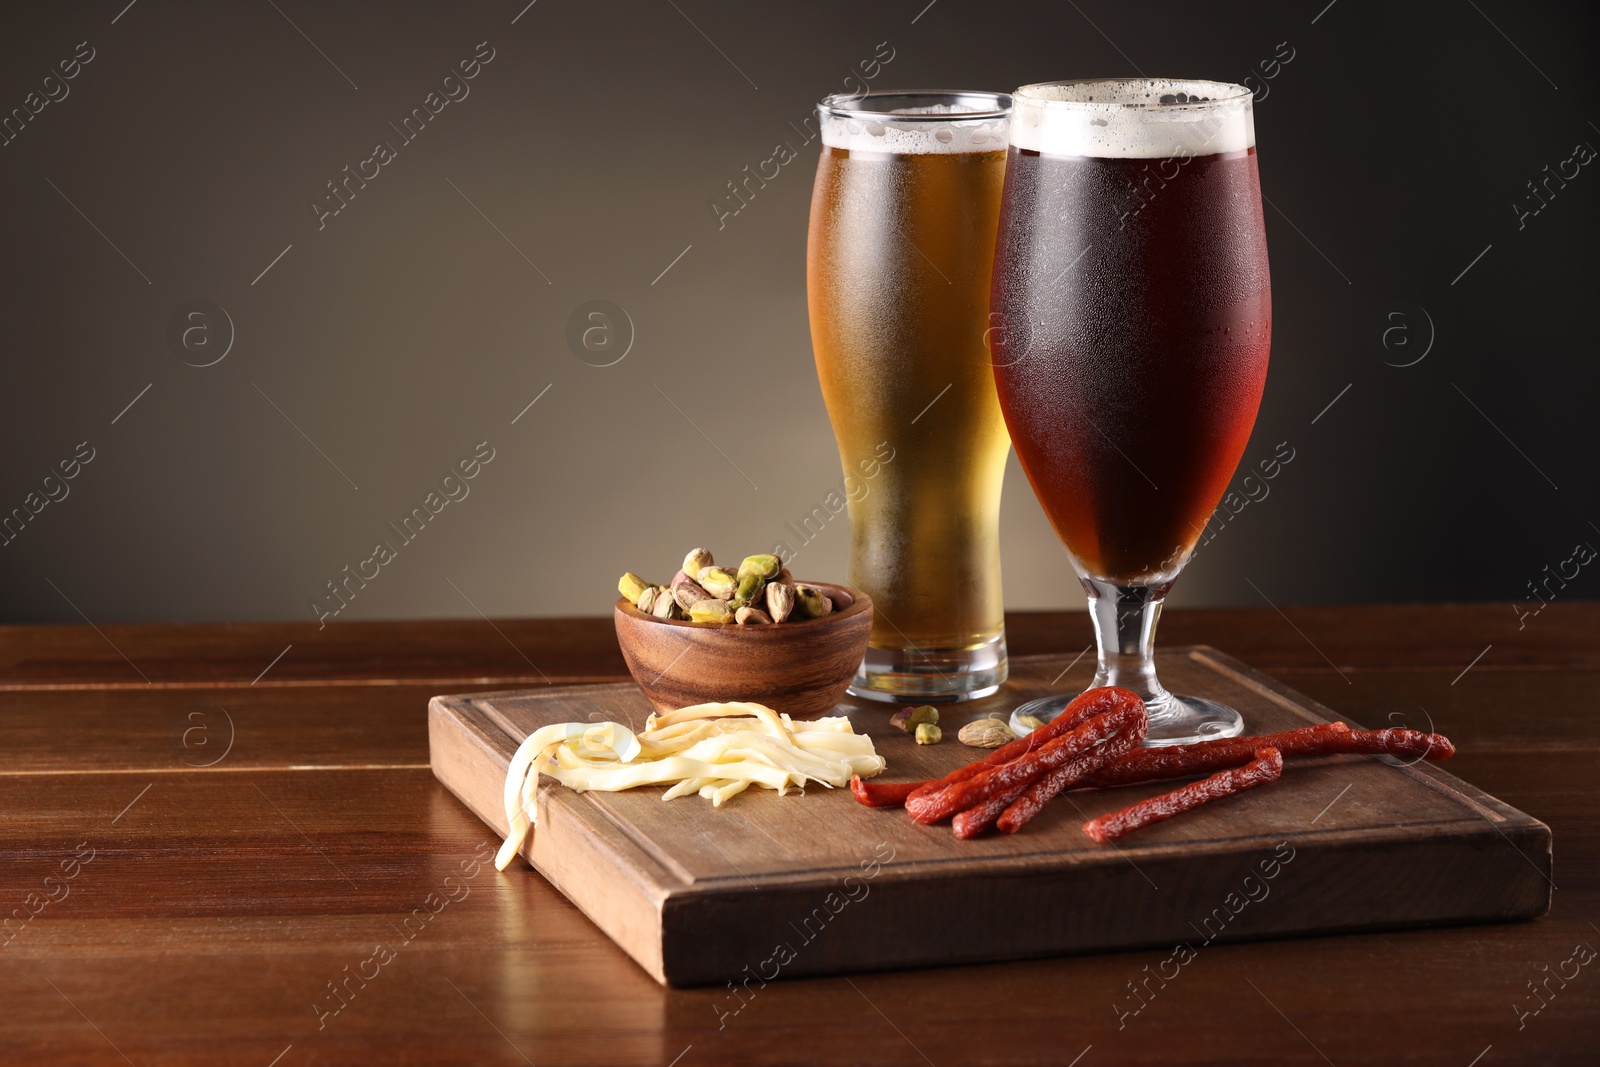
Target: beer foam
pixel 933 129
pixel 1134 118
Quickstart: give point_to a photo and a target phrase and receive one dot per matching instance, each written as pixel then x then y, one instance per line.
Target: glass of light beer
pixel 1133 319
pixel 901 243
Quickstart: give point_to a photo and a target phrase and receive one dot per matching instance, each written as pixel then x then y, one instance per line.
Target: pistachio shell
pixel 688 592
pixel 780 600
pixel 985 733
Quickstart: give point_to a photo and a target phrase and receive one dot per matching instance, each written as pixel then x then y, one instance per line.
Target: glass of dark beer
pixel 903 220
pixel 1133 318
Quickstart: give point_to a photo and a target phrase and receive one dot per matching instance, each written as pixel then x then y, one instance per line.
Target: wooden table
pixel 207 829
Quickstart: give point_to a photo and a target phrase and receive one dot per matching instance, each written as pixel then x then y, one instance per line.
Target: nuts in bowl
pixel 760 590
pixel 789 644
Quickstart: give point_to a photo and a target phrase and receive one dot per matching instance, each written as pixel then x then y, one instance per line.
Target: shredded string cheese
pixel 715 750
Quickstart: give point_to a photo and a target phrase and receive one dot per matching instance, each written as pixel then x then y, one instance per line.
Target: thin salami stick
pixel 881 794
pixel 1043 789
pixel 1266 767
pixel 1395 743
pixel 1146 764
pixel 975 820
pixel 1178 761
pixel 1084 707
pixel 1326 739
pixel 1204 757
pixel 933 806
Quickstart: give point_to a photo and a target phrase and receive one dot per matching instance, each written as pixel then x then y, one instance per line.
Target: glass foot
pixel 1174 720
pixel 932 675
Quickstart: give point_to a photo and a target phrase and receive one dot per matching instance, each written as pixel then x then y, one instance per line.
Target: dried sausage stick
pixel 882 794
pixel 975 820
pixel 1204 757
pixel 931 807
pixel 1327 739
pixel 1043 789
pixel 1266 767
pixel 1084 707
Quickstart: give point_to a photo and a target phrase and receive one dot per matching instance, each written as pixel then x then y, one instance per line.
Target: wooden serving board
pixel 817 884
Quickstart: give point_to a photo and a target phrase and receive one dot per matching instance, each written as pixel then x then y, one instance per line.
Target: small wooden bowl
pixel 801 668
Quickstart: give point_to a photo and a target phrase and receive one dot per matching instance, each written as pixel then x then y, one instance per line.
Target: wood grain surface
pixel 818 884
pixel 221 901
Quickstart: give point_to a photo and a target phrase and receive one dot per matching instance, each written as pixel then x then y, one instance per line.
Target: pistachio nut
pixel 985 733
pixel 749 590
pixel 763 566
pixel 929 734
pixel 631 586
pixel 810 602
pixel 695 560
pixel 909 718
pixel 688 592
pixel 710 610
pixel 780 600
pixel 718 581
pixel 759 590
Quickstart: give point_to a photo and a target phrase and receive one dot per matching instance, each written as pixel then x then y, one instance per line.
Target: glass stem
pixel 1125 618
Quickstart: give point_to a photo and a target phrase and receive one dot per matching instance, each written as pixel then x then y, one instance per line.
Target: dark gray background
pixel 1392 148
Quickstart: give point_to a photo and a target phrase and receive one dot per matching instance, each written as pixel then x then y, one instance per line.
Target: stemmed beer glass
pixel 1133 320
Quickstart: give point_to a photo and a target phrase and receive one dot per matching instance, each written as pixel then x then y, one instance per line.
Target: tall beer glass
pixel 903 219
pixel 1133 319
